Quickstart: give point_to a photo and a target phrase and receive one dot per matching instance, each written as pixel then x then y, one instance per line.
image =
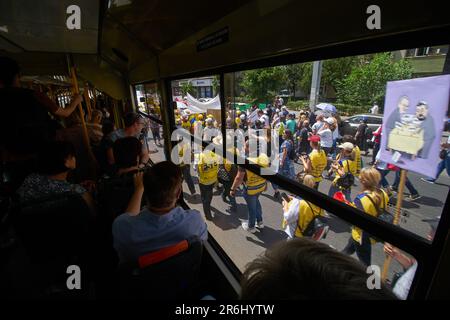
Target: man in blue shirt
pixel 162 223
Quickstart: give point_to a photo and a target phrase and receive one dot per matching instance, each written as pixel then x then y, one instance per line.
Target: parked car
pixel 350 125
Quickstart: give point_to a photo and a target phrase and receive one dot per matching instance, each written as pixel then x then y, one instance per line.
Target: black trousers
pixel 363 250
pixel 206 192
pixel 188 178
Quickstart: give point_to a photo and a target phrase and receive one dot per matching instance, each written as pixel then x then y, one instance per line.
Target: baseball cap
pixel 314 138
pixel 329 120
pixel 347 146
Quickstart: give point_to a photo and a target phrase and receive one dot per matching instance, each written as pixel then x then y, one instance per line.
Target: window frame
pixel 425 252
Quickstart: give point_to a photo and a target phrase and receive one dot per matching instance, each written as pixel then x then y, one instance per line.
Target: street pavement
pixel 243 247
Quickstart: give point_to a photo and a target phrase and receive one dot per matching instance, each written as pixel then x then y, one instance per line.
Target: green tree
pixel 263 84
pixel 367 81
pixel 187 87
pixel 215 85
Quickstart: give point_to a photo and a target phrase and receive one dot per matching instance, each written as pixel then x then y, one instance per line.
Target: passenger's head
pixel 96 116
pixel 56 157
pixel 134 122
pixel 107 127
pixel 126 152
pixel 9 73
pixel 308 180
pixel 303 269
pixel 73 120
pixel 162 185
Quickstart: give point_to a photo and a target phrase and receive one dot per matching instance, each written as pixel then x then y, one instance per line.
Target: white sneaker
pixel 246 227
pixel 260 225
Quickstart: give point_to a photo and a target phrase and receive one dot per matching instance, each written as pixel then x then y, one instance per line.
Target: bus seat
pixel 113 196
pixel 166 274
pixel 53 233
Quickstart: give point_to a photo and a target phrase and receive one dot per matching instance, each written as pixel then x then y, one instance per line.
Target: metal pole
pixel 398 207
pixel 315 84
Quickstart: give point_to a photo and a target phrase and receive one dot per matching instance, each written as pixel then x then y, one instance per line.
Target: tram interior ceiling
pixel 147 56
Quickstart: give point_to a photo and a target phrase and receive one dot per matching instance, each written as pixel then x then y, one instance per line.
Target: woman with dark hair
pixel 55 161
pixel 286 160
pixel 126 154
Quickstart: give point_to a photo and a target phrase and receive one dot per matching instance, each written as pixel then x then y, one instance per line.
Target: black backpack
pixel 314 225
pixel 347 180
pixel 383 214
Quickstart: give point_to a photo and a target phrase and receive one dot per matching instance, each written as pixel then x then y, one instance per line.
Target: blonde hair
pixel 308 180
pixel 370 179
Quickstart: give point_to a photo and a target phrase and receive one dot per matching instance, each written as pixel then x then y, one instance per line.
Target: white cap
pixel 242 116
pixel 329 120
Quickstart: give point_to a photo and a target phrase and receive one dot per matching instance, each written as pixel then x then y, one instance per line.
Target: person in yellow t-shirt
pixel 316 161
pixel 344 164
pixel 207 168
pixel 186 167
pixel 356 150
pixel 254 186
pixel 298 213
pixel 372 201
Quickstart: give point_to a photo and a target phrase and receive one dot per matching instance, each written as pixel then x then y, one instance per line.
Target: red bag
pixel 392 167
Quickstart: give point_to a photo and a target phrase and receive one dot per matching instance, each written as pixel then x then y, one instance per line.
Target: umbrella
pixel 326 107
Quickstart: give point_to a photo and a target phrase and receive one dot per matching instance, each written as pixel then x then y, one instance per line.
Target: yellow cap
pixel 200 117
pixel 238 120
pixel 210 116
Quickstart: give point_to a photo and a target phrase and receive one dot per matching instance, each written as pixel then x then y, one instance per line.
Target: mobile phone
pixel 285 197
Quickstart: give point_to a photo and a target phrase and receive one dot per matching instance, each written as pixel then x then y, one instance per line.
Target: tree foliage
pixel 187 87
pixel 366 83
pixel 263 84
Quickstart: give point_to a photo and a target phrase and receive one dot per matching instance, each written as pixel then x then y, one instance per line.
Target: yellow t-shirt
pixel 318 163
pixel 348 166
pixel 256 184
pixel 357 159
pixel 305 216
pixel 363 202
pixel 208 166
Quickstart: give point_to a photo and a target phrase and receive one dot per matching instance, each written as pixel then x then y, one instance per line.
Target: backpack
pixel 346 180
pixel 315 226
pixel 383 214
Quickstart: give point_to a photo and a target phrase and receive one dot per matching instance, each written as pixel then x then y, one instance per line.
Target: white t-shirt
pixel 326 138
pixel 265 119
pixel 403 284
pixel 317 126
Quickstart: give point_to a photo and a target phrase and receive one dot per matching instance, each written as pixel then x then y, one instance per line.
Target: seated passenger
pixel 162 223
pixel 55 162
pixel 304 269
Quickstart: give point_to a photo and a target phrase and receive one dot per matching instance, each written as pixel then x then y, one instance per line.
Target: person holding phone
pixel 298 213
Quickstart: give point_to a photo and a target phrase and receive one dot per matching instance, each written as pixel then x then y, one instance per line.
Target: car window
pixel 375 120
pixel 355 119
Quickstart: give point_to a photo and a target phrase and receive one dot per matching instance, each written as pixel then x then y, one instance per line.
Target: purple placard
pixel 413 120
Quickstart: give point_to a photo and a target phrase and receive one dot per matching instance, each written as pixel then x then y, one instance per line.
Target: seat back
pixel 166 274
pixel 54 226
pixel 114 195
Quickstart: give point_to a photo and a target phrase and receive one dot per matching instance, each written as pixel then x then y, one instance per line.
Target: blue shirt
pixel 135 236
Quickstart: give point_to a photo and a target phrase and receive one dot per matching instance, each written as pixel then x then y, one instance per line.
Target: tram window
pixel 149 101
pixel 352 86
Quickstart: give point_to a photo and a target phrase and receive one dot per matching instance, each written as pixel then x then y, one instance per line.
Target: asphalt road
pixel 242 247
